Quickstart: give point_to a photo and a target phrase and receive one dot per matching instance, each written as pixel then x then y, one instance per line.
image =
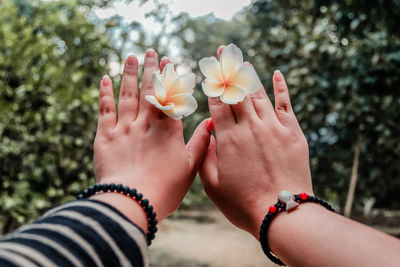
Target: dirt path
pixel 204 238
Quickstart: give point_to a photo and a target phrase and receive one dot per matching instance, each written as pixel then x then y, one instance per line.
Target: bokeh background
pixel 341 60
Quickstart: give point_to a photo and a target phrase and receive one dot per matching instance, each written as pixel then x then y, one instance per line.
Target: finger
pixel 244 111
pixel 107 116
pixel 128 95
pixel 283 107
pixel 209 168
pixel 221 114
pixel 261 103
pixel 219 51
pixel 164 61
pixel 150 65
pixel 198 144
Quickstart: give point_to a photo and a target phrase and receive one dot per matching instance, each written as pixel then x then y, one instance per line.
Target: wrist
pixel 288 229
pixel 128 207
pixel 262 208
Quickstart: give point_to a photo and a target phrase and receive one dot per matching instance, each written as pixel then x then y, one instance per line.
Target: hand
pixel 144 148
pixel 261 151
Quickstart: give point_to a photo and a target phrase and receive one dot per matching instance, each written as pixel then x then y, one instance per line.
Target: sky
pixel 223 9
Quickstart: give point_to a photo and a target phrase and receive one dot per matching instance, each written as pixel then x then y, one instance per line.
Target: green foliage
pixel 341 60
pixel 51 61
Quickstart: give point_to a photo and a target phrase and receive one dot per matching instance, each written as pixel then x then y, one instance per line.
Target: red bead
pixel 272 209
pixel 303 196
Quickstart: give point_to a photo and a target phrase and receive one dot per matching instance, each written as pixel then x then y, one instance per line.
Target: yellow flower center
pixel 225 83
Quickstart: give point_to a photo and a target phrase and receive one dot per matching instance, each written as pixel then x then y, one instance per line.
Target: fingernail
pixel 150 53
pixel 246 63
pixel 210 125
pixel 278 76
pixel 130 61
pixel 164 58
pixel 106 80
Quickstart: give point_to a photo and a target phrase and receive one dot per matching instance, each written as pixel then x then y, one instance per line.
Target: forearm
pixel 79 233
pixel 313 236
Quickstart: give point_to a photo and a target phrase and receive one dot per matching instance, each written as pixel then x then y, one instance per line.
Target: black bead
pixel 113 187
pixel 151 236
pixel 152 215
pixel 125 189
pixel 91 190
pixel 104 187
pixel 149 209
pixel 85 193
pixel 132 192
pixel 153 229
pixel 119 188
pixel 144 202
pixel 97 187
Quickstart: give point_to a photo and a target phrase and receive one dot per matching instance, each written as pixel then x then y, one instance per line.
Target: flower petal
pixel 183 85
pixel 211 68
pixel 153 100
pixel 212 89
pixel 233 95
pixel 231 60
pixel 246 77
pixel 159 89
pixel 184 105
pixel 168 75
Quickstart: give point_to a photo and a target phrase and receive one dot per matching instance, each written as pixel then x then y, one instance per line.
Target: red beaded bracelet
pixel 286 201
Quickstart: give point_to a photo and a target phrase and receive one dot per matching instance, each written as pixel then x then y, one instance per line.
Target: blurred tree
pixel 341 60
pixel 51 62
pixel 342 63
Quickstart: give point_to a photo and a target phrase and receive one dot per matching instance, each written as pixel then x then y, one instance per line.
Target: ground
pixel 204 238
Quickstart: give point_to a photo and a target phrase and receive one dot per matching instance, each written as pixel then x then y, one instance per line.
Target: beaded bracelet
pixel 133 194
pixel 286 201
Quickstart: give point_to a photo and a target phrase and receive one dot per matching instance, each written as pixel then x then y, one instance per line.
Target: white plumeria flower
pixel 173 93
pixel 228 79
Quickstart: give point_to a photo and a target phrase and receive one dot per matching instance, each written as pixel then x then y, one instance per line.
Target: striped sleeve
pixel 79 233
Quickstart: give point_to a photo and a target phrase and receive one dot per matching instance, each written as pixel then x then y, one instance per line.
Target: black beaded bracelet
pixel 286 201
pixel 131 193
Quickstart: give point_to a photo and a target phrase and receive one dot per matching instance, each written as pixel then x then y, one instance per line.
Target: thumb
pixel 198 144
pixel 209 168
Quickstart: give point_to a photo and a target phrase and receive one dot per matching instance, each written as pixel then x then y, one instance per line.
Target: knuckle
pixel 106 110
pixel 146 86
pixel 259 133
pixel 130 71
pixel 215 101
pixel 258 96
pixel 227 137
pixel 283 107
pixel 127 93
pixel 281 87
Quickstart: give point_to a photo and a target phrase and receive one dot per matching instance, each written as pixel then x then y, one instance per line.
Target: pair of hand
pixel 258 150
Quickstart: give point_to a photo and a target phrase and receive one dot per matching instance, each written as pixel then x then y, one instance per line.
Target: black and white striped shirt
pixel 79 233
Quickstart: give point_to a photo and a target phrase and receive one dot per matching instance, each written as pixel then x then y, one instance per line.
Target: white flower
pixel 228 79
pixel 173 93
